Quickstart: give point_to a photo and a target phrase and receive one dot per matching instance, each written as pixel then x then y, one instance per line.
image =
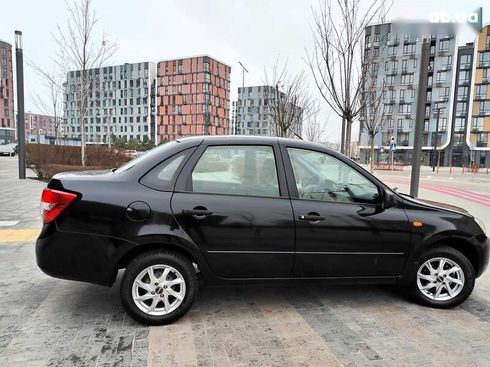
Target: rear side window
pixel 236 170
pixel 163 176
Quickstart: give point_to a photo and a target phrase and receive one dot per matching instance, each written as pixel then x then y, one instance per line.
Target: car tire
pixel 444 287
pixel 158 287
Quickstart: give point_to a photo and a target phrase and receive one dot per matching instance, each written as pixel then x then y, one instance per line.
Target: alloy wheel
pixel 158 290
pixel 440 279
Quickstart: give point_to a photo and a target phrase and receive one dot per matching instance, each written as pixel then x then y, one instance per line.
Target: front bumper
pixel 76 256
pixel 483 250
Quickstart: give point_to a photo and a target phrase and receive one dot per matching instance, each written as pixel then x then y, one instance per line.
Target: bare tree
pixel 338 30
pixel 50 103
pixel 314 129
pixel 372 112
pixel 289 101
pixel 79 49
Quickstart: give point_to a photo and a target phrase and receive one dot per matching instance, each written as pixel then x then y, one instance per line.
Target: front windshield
pixel 159 150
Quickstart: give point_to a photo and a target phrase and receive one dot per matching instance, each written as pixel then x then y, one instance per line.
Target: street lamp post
pixel 419 120
pixel 244 69
pixel 19 66
pixel 436 153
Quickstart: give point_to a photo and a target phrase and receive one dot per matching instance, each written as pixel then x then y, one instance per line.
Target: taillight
pixel 53 202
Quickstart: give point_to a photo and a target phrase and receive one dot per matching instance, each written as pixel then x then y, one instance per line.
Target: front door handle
pixel 312 217
pixel 197 212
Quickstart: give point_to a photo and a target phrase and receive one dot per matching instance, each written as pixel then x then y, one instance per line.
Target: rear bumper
pixel 76 256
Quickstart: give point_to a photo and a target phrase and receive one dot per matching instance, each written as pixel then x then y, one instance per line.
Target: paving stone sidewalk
pixel 50 322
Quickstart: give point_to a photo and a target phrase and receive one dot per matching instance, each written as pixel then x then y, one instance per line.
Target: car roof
pixel 257 140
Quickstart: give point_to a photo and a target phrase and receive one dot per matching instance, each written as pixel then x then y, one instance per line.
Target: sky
pixel 255 32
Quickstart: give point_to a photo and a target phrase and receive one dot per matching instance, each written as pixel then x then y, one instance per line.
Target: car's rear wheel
pixel 445 278
pixel 158 287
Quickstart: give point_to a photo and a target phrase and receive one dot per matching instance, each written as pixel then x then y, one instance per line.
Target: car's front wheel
pixel 445 278
pixel 158 287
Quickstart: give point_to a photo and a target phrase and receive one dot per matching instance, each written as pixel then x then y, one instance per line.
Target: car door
pixel 342 228
pixel 232 201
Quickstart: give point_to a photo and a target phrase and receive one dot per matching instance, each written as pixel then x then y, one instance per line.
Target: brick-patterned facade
pixel 7 116
pixel 192 97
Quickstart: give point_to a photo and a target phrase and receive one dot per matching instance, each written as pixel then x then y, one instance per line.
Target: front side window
pixel 236 170
pixel 319 176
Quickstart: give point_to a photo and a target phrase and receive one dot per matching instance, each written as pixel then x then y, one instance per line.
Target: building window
pixel 447 61
pixel 485 108
pixel 444 45
pixel 441 77
pixel 482 140
pixel 391 50
pixel 459 123
pixel 464 61
pixel 461 108
pixel 409 49
pixel 484 58
pixel 481 91
pixel 463 77
pixel 462 93
pixel 407 79
pixel 486 75
pixel 443 124
pixel 405 108
pixel 477 124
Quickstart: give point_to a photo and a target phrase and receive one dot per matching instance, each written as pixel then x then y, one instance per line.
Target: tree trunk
pixel 348 129
pixel 82 140
pixel 372 153
pixel 342 138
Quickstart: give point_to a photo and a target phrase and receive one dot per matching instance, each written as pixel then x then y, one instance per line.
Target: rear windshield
pixel 157 151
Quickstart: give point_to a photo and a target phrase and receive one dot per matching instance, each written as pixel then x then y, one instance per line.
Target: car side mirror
pixel 388 199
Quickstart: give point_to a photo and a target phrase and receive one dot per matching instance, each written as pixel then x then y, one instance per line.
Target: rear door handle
pixel 312 217
pixel 198 212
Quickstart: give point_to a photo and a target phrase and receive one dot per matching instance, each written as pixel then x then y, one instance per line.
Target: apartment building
pixel 480 106
pixel 253 111
pixel 37 125
pixel 192 97
pixel 395 52
pixel 7 116
pixel 120 103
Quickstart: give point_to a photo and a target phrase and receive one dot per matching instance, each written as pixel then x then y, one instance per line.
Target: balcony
pixel 484 64
pixel 480 97
pixel 484 113
pixel 465 66
pixel 461 98
pixel 446 67
pixel 481 143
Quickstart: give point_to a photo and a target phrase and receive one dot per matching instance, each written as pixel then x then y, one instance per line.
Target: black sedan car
pixel 234 209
